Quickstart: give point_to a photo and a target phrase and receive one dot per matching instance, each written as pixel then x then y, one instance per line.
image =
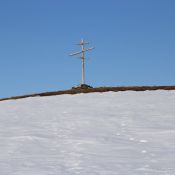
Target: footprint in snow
pixel 118 134
pixel 131 139
pixel 123 124
pixel 143 141
pixel 144 151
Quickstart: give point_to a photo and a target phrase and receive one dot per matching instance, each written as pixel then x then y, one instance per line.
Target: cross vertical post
pixel 82 52
pixel 83 60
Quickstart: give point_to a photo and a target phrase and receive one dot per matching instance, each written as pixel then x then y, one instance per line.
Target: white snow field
pixel 112 133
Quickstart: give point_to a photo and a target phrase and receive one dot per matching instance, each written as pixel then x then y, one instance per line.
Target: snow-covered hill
pixel 113 133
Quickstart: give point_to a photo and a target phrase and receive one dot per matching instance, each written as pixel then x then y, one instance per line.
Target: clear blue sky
pixel 134 40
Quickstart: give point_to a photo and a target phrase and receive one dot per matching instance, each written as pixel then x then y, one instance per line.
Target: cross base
pixel 83 86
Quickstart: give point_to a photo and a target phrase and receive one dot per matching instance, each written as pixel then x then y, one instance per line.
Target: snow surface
pixel 113 133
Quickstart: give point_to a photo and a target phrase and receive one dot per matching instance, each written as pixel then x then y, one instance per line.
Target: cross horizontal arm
pixel 83 43
pixel 76 53
pixel 89 49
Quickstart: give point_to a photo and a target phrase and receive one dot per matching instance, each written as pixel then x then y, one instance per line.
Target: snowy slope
pixel 113 133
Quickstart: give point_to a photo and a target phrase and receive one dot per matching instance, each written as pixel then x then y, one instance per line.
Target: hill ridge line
pixel 91 90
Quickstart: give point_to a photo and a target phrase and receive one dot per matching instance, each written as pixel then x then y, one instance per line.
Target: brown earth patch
pixel 90 90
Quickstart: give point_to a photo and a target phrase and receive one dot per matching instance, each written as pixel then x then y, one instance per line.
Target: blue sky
pixel 134 40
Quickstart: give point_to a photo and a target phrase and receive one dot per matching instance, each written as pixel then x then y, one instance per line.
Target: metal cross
pixel 82 52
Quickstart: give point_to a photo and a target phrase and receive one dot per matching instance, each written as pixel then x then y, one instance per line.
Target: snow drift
pixel 112 133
